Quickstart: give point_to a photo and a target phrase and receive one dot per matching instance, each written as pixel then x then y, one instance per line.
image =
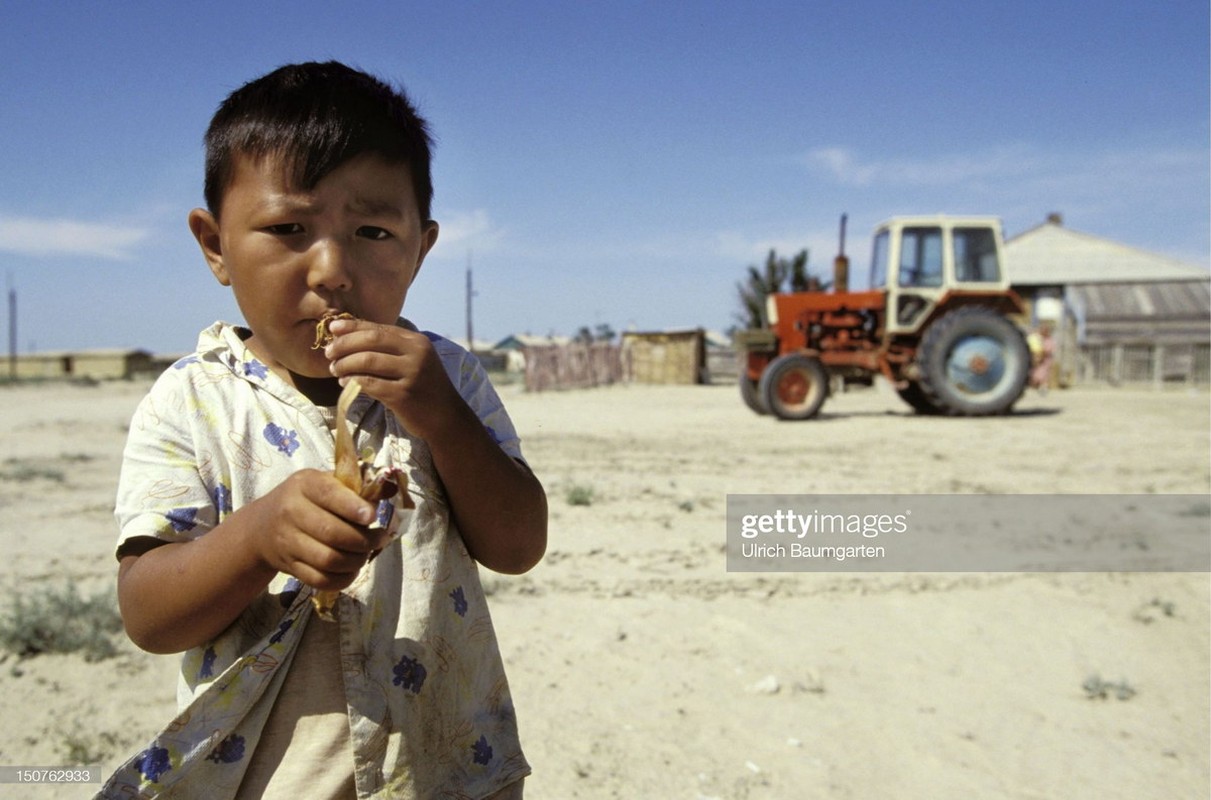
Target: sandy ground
pixel 642 669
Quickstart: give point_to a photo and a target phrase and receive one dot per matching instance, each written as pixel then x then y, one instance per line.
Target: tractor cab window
pixel 921 257
pixel 976 255
pixel 878 261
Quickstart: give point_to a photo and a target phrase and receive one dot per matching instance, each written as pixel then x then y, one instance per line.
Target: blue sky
pixel 611 163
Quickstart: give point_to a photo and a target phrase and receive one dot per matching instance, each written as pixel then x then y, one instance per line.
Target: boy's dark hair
pixel 316 117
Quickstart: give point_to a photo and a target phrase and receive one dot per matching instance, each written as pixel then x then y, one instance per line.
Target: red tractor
pixel 936 323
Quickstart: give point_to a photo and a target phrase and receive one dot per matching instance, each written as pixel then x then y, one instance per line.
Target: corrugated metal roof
pixel 518 340
pixel 1177 300
pixel 1052 255
pixel 1158 312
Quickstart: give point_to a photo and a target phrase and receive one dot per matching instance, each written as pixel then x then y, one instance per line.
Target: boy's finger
pixel 339 499
pixel 377 539
pixel 355 540
pixel 339 327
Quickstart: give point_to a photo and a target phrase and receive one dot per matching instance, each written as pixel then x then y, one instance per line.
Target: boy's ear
pixel 205 229
pixel 428 238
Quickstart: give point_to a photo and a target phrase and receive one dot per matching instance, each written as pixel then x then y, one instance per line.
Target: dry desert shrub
pixel 51 620
pixel 580 495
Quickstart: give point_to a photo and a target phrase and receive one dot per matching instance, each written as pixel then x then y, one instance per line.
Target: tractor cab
pixel 921 262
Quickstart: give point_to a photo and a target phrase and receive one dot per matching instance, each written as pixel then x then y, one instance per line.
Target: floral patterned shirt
pixel 429 708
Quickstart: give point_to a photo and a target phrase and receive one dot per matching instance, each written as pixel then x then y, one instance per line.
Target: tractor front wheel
pixel 748 392
pixel 974 362
pixel 793 386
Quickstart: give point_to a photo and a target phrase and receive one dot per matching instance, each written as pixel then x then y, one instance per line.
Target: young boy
pixel 318 193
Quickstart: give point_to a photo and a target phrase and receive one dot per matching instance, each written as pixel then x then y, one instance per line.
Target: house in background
pixel 1123 315
pixel 84 365
pixel 513 348
pixel 491 359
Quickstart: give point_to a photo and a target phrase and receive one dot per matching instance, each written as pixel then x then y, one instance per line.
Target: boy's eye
pixel 373 232
pixel 284 229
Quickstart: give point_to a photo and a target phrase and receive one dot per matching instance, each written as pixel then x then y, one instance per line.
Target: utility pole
pixel 12 329
pixel 470 294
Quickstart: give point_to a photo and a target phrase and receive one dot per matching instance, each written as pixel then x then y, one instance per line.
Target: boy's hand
pixel 498 504
pixel 180 595
pixel 314 528
pixel 400 369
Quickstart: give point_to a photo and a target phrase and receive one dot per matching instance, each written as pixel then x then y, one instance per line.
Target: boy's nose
pixel 330 268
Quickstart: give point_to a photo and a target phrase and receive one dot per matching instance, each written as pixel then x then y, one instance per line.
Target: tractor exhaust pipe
pixel 841 263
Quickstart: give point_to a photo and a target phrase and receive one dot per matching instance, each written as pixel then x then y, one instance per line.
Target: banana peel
pixel 370 482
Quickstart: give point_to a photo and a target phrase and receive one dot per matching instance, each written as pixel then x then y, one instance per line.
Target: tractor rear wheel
pixel 793 386
pixel 915 397
pixel 974 362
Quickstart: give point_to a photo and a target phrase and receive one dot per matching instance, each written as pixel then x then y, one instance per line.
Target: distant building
pixel 520 341
pixel 480 346
pixel 85 364
pixel 666 356
pixel 722 362
pixel 513 347
pixel 1123 314
pixel 491 359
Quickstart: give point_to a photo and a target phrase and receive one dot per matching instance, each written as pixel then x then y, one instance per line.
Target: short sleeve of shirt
pixel 162 494
pixel 469 376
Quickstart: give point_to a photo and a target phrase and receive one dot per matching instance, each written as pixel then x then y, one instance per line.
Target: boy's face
pixel 354 243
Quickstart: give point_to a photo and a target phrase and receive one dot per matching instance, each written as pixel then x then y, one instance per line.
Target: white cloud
pixel 474 230
pixel 1132 171
pixel 46 237
pixel 998 163
pixel 1018 168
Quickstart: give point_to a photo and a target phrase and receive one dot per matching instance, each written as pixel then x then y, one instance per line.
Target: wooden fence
pixel 574 366
pixel 1146 363
pixel 577 366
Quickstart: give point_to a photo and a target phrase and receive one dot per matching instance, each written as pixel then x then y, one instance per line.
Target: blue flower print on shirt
pixel 229 751
pixel 152 763
pixel 410 674
pixel 460 601
pixel 481 751
pixel 255 369
pixel 290 591
pixel 285 441
pixel 207 668
pixel 492 432
pixel 285 626
pixel 385 512
pixel 222 498
pixel 183 519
